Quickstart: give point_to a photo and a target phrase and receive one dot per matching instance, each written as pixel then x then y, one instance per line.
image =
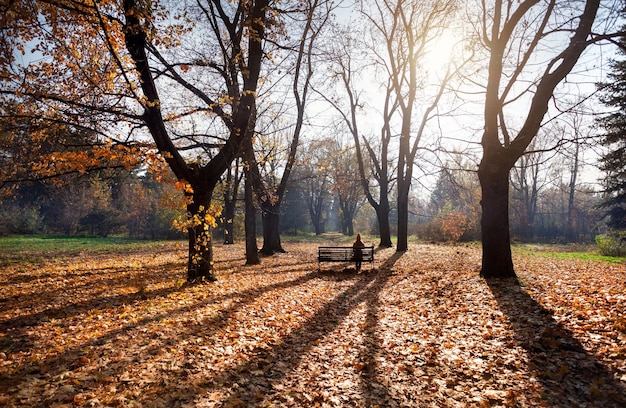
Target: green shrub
pixel 21 220
pixel 612 244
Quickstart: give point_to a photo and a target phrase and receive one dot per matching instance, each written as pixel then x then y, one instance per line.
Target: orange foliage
pixel 416 329
pixel 58 163
pixel 447 227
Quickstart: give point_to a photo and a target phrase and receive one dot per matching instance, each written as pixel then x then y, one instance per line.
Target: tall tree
pixel 314 16
pixel 373 158
pixel 518 35
pixel 613 161
pixel 407 27
pixel 158 66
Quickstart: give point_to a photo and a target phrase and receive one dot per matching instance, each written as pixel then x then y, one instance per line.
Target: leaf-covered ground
pixel 418 329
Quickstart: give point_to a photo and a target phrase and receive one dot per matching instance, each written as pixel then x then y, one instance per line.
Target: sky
pixel 460 127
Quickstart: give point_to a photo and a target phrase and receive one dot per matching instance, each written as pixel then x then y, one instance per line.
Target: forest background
pixel 66 185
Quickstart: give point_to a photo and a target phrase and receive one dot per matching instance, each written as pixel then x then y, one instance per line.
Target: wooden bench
pixel 345 254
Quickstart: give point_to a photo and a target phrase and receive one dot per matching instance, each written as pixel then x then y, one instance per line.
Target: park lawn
pixel 29 249
pixel 573 251
pixel 120 328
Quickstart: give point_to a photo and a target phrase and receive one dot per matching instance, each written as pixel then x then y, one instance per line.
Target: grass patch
pixel 37 248
pixel 578 252
pixel 586 256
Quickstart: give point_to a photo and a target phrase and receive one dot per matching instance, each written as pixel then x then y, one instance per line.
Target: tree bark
pixel 200 257
pixel 384 227
pixel 403 215
pixel 271 231
pixel 252 252
pixel 497 261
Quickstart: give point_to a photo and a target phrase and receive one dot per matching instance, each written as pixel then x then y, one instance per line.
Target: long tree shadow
pixel 277 362
pixel 97 302
pixel 568 374
pixel 55 364
pixel 373 389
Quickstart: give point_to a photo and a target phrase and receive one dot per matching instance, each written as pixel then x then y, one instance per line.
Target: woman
pixel 358 253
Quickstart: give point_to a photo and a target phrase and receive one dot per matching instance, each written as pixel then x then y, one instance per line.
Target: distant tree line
pixel 103 203
pixel 322 196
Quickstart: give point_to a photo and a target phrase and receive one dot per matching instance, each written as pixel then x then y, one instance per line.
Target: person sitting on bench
pixel 358 253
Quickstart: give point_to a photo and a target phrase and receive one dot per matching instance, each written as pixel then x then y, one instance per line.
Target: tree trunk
pixel 231 190
pixel 497 261
pixel 350 227
pixel 317 224
pixel 384 228
pixel 570 233
pixel 403 217
pixel 271 230
pixel 252 252
pixel 316 205
pixel 200 259
pixel 347 217
pixel 228 220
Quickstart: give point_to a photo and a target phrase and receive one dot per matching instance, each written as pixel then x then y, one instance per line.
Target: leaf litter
pixel 415 329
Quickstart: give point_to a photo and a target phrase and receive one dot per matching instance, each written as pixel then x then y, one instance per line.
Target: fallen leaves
pixel 417 329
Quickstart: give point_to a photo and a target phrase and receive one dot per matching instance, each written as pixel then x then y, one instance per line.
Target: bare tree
pixel 315 181
pixel 401 32
pixel 373 160
pixel 345 176
pixel 270 196
pixel 518 35
pixel 407 27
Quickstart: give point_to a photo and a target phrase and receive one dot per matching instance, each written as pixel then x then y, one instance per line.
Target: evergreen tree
pixel 613 162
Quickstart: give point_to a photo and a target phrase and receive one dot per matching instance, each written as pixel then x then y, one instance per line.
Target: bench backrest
pixel 347 254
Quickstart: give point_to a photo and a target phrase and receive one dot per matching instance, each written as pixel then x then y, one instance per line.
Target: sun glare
pixel 442 52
